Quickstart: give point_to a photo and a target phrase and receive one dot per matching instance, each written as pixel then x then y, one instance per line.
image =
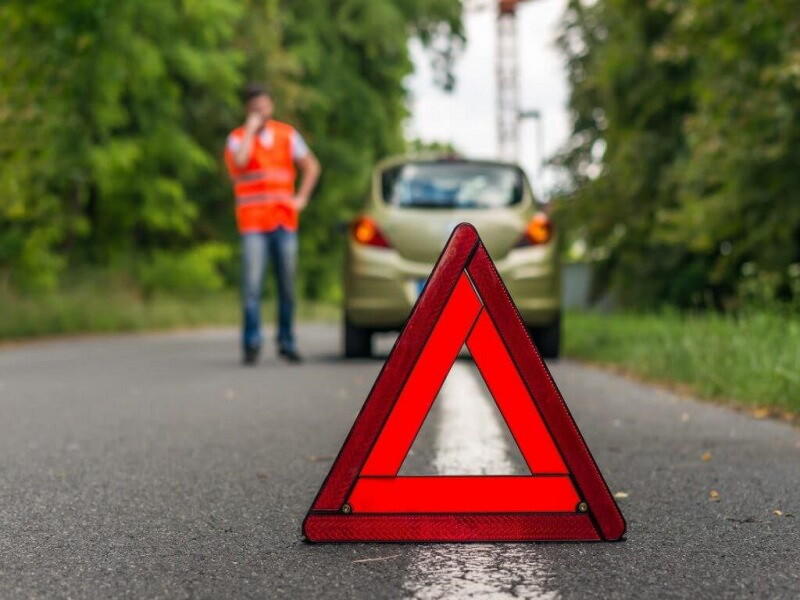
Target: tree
pixel 683 158
pixel 113 115
pixel 738 184
pixel 628 107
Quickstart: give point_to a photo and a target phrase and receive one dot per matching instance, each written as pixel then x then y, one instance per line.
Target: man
pixel 262 156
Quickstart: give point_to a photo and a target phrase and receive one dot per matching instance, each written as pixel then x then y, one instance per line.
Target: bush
pixel 193 271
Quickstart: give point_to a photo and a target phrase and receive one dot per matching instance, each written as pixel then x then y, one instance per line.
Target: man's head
pixel 258 100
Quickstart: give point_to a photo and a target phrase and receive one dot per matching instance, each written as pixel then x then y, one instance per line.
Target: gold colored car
pixel 414 205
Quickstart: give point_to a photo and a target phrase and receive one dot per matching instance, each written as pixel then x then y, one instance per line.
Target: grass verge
pixel 92 310
pixel 751 360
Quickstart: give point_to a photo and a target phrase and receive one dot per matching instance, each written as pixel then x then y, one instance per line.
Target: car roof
pixel 443 157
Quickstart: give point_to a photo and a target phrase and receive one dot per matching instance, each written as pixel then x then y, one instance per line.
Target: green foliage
pixel 751 359
pixel 684 160
pixel 193 271
pixel 417 146
pixel 103 152
pixel 113 116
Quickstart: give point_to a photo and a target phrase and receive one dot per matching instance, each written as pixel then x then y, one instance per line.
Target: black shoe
pixel 250 356
pixel 291 355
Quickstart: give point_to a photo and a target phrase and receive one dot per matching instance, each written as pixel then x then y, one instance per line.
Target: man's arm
pixel 309 169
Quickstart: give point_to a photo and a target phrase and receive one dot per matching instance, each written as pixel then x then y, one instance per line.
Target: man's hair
pixel 254 90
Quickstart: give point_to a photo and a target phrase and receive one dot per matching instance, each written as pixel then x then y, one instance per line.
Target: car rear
pixel 413 207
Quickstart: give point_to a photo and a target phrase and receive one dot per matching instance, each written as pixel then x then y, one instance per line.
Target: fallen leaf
pixel 262 475
pixel 706 456
pixel 376 559
pixel 760 413
pixel 313 458
pixel 685 417
pixel 713 496
pixel 621 494
pixel 777 513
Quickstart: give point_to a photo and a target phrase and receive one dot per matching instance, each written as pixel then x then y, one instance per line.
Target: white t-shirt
pixel 299 146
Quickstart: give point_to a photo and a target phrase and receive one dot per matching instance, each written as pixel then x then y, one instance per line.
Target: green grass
pixel 751 360
pixel 91 309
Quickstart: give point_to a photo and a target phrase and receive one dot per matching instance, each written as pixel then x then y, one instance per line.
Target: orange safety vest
pixel 264 188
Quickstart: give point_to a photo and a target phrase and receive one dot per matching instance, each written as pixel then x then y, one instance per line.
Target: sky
pixel 466 117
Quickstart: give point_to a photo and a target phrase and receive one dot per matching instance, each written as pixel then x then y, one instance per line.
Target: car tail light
pixel 538 231
pixel 366 232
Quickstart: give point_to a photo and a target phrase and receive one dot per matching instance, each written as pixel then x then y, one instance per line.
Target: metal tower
pixel 507 73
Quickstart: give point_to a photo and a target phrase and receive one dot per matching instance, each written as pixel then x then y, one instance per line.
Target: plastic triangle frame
pixel 565 497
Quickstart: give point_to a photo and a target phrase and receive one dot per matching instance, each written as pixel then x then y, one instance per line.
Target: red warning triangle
pixel 564 498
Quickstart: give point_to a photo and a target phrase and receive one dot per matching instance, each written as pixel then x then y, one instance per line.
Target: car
pixel 414 204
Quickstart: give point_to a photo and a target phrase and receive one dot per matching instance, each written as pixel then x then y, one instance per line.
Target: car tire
pixel 548 338
pixel 357 341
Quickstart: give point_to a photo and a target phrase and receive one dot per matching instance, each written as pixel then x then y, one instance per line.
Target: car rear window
pixel 452 185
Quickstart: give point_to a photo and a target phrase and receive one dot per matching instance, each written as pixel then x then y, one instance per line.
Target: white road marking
pixel 473 442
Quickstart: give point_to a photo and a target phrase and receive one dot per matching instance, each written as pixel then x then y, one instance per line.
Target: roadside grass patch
pixel 751 359
pixel 115 308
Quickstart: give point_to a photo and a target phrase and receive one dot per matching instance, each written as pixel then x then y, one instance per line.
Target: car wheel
pixel 357 341
pixel 548 338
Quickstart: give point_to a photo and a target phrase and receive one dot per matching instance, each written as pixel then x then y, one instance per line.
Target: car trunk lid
pixel 420 234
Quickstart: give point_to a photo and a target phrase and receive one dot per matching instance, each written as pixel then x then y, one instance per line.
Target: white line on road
pixel 470 440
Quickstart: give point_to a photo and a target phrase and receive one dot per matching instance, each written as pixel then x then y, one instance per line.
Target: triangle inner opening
pixel 464 433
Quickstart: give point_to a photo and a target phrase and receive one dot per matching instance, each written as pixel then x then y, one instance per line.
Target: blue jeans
pixel 258 249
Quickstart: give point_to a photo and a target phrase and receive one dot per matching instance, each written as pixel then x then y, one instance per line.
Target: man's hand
pixel 300 202
pixel 253 123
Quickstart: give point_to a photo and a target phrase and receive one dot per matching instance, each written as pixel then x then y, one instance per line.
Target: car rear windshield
pixel 452 185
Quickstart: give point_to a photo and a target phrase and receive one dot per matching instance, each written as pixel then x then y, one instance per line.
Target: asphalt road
pixel 156 466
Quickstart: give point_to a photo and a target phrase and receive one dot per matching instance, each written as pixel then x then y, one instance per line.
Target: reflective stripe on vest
pixel 262 198
pixel 268 175
pixel 264 182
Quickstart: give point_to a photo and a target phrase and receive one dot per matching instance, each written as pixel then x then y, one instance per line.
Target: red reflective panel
pixel 321 527
pixel 513 399
pixel 420 390
pixel 459 494
pixel 402 359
